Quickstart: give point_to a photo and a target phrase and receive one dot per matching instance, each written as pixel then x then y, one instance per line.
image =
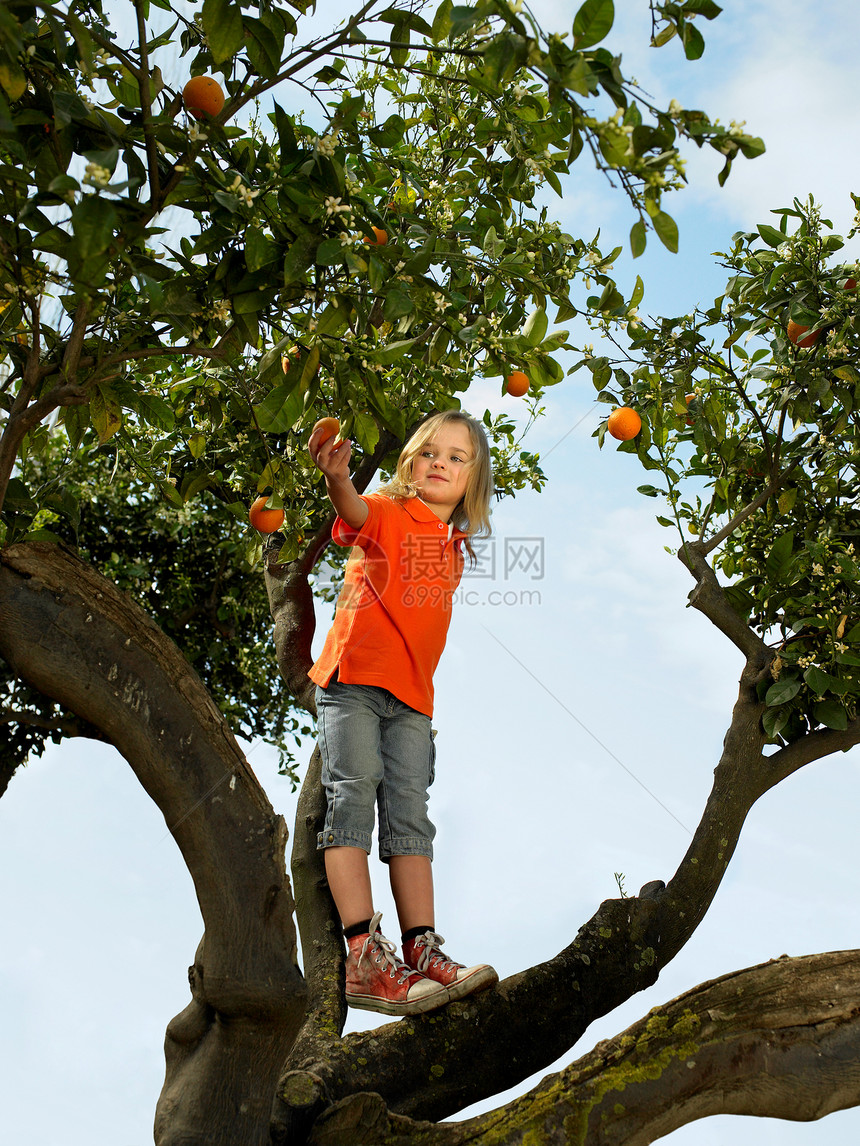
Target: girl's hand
pixel 330 456
pixel 333 460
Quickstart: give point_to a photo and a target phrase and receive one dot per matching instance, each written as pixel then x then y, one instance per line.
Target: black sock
pixel 361 928
pixel 414 932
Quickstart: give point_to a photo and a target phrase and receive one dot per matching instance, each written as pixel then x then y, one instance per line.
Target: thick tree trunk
pixel 781 1040
pixel 69 632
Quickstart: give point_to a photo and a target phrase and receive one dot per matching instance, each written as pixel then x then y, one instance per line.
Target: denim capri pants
pixel 377 752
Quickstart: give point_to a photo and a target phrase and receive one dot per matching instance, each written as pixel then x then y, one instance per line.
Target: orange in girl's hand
pixel 328 426
pixel 624 423
pixel 203 96
pixel 263 519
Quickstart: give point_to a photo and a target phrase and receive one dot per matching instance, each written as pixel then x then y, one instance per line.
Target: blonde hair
pixel 472 514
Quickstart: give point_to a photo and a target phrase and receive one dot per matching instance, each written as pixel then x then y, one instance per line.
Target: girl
pixel 374 682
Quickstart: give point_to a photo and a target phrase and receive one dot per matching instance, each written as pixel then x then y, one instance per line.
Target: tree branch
pixel 68 632
pixel 813 746
pixel 780 1040
pixel 708 597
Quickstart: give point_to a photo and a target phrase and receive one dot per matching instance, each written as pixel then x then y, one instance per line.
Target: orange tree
pixel 180 300
pixel 160 271
pixel 756 437
pixel 751 437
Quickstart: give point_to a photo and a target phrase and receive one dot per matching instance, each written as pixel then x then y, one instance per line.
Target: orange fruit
pixel 796 331
pixel 203 96
pixel 380 237
pixel 624 423
pixel 263 519
pixel 517 383
pixel 287 360
pixel 850 284
pixel 328 426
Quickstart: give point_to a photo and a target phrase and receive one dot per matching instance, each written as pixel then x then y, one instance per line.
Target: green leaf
pixel 279 410
pixel 329 252
pixel 781 692
pixel 93 222
pixel 18 497
pixel 462 19
pixel 831 714
pixel 390 133
pixel 286 132
pixel 333 320
pixel 309 370
pixel 192 484
pixel 667 230
pixel 13 81
pixel 535 328
pixel 442 22
pixel 693 41
pixel 260 251
pixel 171 493
pixel 299 257
pixel 391 417
pixel 222 23
pixel 75 420
pixel 787 499
pixel 105 412
pixel 553 181
pixel 592 22
pixel 779 560
pixel 155 411
pixel 196 447
pixel 576 144
pixel 399 42
pixel 706 8
pixel 774 720
pixel 821 682
pixel 366 431
pixel 504 57
pixel 638 292
pixel 397 304
pixel 83 40
pixel 638 238
pixel 393 351
pixel 771 235
pixel 264 45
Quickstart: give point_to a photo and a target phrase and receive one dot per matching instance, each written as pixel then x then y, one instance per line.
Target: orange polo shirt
pixel 394 610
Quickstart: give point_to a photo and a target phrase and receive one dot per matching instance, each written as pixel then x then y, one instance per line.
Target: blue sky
pixel 579 719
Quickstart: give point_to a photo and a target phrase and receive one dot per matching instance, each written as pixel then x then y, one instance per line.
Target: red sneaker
pixel 376 980
pixel 424 955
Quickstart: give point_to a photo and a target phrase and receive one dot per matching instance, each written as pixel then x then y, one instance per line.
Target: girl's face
pixel 440 469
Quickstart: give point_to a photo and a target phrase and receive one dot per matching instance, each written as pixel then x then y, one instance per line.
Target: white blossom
pixel 334 207
pixel 326 144
pixel 97 175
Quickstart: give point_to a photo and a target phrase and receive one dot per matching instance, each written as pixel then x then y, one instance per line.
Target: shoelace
pixel 385 953
pixel 429 944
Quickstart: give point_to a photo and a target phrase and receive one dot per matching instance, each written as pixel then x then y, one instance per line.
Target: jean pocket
pixel 432 757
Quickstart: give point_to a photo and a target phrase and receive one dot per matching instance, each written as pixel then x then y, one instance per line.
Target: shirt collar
pixel 420 511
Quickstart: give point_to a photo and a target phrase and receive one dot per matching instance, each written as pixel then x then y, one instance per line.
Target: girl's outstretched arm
pixel 333 459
